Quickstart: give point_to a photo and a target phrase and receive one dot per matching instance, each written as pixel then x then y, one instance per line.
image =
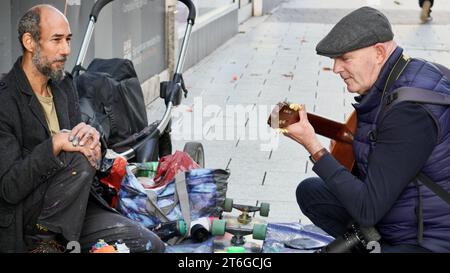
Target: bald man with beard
pixel 48 157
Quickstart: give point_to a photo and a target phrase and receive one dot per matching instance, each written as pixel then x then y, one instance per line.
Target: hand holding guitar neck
pixel 285 114
pixel 293 122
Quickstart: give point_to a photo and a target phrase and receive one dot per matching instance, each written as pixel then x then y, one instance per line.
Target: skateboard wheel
pixel 228 204
pixel 182 227
pixel 259 231
pixel 236 249
pixel 264 210
pixel 218 227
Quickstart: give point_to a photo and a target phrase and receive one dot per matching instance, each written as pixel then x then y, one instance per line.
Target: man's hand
pixel 302 131
pixel 89 145
pixel 83 134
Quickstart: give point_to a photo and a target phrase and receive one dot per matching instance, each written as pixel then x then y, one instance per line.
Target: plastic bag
pixel 206 190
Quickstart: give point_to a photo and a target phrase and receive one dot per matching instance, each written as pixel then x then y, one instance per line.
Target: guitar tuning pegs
pixel 295 106
pixel 281 131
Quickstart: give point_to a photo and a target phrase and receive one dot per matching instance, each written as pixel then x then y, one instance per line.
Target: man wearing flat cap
pixel 399 145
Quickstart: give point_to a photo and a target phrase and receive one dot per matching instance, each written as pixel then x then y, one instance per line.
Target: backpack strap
pixel 183 197
pixel 180 196
pixel 434 187
pixel 153 209
pixel 413 94
pixel 419 213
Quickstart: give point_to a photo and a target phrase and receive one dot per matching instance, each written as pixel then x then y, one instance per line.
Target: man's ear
pixel 381 52
pixel 28 42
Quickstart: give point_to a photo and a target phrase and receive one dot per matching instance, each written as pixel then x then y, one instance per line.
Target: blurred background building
pixel 147 32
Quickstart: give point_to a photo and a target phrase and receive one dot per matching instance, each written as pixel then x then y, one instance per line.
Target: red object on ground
pixel 170 165
pixel 115 177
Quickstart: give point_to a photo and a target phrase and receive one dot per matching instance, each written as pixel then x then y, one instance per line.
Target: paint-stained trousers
pixel 66 205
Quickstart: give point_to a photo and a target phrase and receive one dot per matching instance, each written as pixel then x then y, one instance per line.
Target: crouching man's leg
pixel 101 223
pixel 56 210
pixel 322 207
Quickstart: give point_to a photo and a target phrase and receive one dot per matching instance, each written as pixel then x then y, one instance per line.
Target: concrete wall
pixel 208 34
pixel 268 5
pixel 245 11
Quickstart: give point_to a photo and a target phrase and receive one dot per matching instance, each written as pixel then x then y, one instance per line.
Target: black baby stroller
pixel 112 101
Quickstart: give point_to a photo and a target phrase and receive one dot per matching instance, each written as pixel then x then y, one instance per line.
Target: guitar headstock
pixel 282 116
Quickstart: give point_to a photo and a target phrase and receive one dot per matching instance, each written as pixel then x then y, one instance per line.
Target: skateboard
pixel 240 234
pixel 245 217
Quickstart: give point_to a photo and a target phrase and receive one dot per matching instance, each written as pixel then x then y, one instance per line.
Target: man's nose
pixel 65 48
pixel 337 66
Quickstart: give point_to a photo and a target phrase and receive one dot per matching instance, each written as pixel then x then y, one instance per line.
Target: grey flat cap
pixel 361 28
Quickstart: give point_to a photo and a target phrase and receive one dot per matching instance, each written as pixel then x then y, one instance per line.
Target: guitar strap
pixel 395 73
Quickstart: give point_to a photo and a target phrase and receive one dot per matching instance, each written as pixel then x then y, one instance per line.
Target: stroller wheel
pixel 196 152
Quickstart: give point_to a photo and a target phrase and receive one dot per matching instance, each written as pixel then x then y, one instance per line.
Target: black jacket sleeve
pixel 21 173
pixel 24 169
pixel 405 139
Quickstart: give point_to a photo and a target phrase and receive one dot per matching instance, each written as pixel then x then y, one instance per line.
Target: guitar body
pixel 341 134
pixel 343 151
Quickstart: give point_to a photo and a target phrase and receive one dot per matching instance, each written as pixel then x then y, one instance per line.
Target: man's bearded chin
pixel 44 66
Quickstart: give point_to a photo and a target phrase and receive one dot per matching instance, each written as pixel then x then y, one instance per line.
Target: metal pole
pixel 181 60
pixel 166 118
pixel 128 154
pixel 86 40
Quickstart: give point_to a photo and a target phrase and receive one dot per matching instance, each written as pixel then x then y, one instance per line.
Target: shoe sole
pixel 425 13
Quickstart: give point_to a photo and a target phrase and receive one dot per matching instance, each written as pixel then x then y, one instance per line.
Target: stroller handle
pixel 98 6
pixel 192 11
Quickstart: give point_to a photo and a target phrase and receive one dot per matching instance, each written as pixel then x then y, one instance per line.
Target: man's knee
pixel 78 174
pixel 306 191
pixel 78 162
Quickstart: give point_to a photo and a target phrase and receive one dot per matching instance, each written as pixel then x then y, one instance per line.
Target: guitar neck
pixel 330 128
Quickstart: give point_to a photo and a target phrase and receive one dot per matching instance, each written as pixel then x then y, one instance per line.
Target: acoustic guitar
pixel 340 133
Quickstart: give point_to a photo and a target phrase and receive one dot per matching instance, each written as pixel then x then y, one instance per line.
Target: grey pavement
pixel 272 58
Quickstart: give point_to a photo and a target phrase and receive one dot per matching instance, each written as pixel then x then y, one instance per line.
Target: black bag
pixel 111 99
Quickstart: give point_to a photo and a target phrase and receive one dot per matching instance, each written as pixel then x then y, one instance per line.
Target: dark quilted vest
pixel 399 225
